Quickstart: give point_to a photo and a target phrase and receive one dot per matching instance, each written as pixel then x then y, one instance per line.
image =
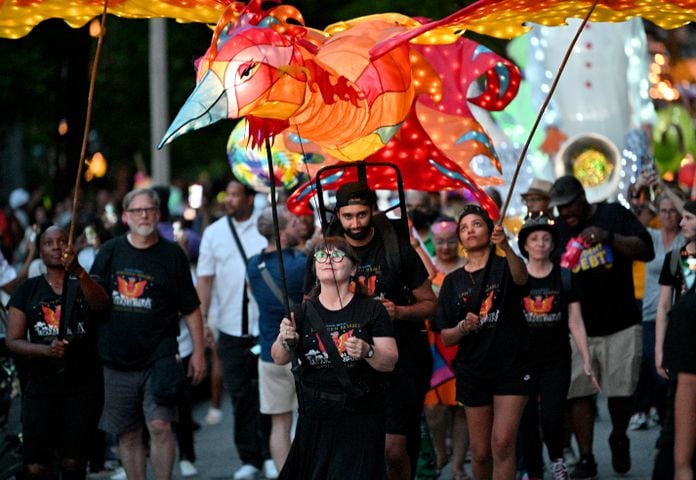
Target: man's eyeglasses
pixel 139 211
pixel 335 256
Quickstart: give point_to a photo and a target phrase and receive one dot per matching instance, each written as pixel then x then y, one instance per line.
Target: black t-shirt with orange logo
pixel 546 312
pixel 149 289
pixel 500 345
pixel 80 367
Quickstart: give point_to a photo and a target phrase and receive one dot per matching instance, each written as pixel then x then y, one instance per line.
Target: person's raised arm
pixel 95 295
pixel 518 269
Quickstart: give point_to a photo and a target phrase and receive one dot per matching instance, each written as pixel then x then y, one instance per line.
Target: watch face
pixel 370 353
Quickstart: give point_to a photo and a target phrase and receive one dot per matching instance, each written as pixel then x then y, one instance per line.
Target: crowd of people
pixel 376 328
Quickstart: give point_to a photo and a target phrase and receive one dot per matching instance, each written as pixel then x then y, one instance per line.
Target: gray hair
pixel 128 198
pixel 265 221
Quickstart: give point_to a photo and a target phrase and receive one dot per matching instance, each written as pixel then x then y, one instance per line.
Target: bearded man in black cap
pixel 391 271
pixel 612 238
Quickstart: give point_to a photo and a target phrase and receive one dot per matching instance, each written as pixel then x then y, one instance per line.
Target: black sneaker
pixel 585 469
pixel 620 453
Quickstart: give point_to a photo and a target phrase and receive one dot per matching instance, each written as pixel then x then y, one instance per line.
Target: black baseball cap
pixel 565 189
pixel 355 193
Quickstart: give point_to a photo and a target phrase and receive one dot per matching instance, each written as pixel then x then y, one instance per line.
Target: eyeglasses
pixel 335 256
pixel 139 211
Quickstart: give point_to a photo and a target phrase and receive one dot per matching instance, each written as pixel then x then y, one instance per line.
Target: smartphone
pixel 110 213
pixel 32 234
pixel 90 235
pixel 195 196
pixel 178 230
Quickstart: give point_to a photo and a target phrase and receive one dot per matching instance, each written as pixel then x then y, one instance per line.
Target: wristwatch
pixel 370 352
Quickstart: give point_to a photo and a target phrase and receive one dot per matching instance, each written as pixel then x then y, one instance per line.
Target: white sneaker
pixel 638 421
pixel 569 456
pixel 187 469
pixel 559 471
pixel 269 470
pixel 246 472
pixel 119 474
pixel 214 416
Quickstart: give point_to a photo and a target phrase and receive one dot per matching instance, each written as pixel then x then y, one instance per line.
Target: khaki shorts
pixel 276 388
pixel 615 360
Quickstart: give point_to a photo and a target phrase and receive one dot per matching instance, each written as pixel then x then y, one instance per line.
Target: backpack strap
pixel 391 241
pixel 272 285
pixel 245 296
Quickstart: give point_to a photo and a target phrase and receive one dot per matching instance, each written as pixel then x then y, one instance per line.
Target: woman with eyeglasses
pixel 480 312
pixel 441 409
pixel 344 342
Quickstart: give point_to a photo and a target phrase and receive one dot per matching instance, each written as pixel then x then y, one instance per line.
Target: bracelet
pixel 459 326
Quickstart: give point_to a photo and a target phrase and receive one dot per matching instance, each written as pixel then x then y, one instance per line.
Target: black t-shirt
pixel 680 338
pixel 604 278
pixel 149 289
pixel 362 317
pixel 545 309
pixel 500 345
pixel 684 276
pixel 80 368
pixel 375 278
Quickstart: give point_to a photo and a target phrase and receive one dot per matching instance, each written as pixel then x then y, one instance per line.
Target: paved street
pixel 217 459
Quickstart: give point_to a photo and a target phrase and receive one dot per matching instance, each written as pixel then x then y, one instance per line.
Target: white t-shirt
pixel 7 274
pixel 220 257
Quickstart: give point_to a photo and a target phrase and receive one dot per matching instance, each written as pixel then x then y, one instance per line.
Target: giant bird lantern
pixel 380 87
pixel 408 105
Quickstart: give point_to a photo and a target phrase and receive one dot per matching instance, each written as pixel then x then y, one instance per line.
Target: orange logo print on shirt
pixel 367 285
pixel 339 341
pixel 51 317
pixel 130 288
pixel 486 305
pixel 539 305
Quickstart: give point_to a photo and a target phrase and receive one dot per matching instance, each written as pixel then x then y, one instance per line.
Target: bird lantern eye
pixel 247 70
